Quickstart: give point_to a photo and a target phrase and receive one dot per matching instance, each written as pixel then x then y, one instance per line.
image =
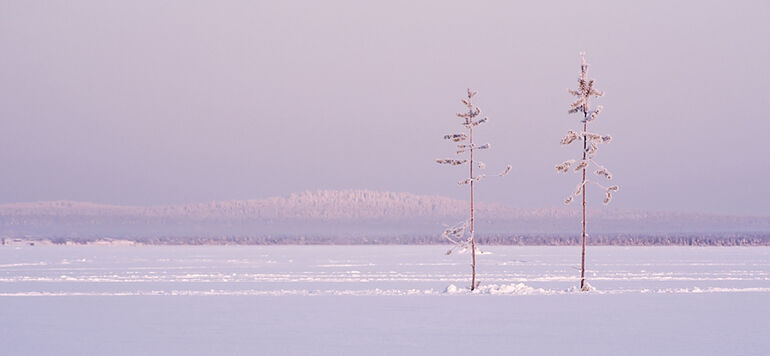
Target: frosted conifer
pixel 462 235
pixel 591 142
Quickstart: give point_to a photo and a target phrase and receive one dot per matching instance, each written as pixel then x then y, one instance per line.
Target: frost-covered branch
pixel 466 148
pixel 608 193
pixel 454 162
pixel 457 233
pixel 571 137
pixel 506 171
pixel 580 187
pixel 604 172
pixel 592 115
pixel 564 166
pixel 456 137
pixel 478 122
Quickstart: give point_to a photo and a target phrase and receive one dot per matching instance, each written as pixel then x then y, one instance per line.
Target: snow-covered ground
pixel 386 300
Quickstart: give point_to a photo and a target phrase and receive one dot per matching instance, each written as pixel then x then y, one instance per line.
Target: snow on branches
pixel 457 236
pixel 454 162
pixel 582 104
pixel 571 136
pixel 564 166
pixel 465 148
pixel 469 122
pixel 591 140
pixel 604 172
pixel 456 137
pixel 506 171
pixel 585 90
pixel 462 235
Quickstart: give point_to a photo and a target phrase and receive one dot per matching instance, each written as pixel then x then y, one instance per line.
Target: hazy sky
pixel 154 102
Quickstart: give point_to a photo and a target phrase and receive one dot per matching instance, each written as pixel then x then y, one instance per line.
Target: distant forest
pixel 743 239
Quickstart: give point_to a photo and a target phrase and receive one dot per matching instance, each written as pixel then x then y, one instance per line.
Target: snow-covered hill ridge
pixel 321 204
pixel 349 210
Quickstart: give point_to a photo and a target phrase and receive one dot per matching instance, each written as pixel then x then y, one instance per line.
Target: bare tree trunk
pixel 583 255
pixel 473 237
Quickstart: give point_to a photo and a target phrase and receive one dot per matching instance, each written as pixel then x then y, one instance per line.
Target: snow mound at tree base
pixel 494 289
pixel 586 288
pixel 452 289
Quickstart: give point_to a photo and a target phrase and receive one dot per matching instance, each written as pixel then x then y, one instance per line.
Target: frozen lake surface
pixel 382 300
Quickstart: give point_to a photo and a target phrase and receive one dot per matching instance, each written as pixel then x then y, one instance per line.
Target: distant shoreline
pixel 715 239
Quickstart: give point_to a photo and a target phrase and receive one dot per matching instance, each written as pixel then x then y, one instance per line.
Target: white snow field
pixel 382 300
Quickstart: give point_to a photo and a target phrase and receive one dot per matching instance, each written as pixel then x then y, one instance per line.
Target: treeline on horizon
pixel 675 239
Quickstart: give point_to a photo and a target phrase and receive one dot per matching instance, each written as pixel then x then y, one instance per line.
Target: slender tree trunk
pixel 473 236
pixel 583 255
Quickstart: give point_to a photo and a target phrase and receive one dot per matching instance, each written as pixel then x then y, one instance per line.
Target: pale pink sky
pixel 150 102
